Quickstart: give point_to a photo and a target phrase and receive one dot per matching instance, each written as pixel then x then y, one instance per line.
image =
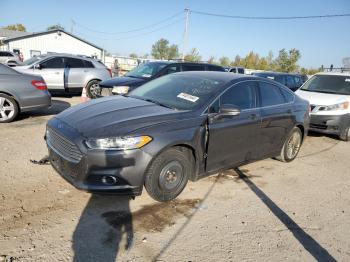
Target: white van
pixel 329 97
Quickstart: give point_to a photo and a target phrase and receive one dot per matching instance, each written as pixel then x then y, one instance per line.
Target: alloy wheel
pixel 7 109
pixel 293 145
pixel 95 90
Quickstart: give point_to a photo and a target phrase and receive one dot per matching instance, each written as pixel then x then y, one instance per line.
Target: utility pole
pixel 72 24
pixel 185 36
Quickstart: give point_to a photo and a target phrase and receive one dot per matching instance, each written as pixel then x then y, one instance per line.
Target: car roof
pixel 181 62
pixel 66 55
pixel 218 75
pixel 275 73
pixel 347 73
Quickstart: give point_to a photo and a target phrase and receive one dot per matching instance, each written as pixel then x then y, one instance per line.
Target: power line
pixel 138 35
pixel 271 17
pixel 133 30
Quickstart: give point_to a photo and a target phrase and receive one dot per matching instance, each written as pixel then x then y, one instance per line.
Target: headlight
pixel 120 90
pixel 341 106
pixel 118 143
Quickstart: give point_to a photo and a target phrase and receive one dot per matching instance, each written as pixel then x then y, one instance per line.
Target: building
pixel 52 41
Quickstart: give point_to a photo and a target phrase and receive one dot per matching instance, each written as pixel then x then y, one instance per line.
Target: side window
pixel 280 79
pixel 298 81
pixel 270 94
pixel 5 54
pixel 56 62
pixel 215 68
pixel 74 63
pixel 233 70
pixel 241 95
pixel 290 81
pixel 88 64
pixel 193 68
pixel 240 71
pixel 171 69
pixel 288 95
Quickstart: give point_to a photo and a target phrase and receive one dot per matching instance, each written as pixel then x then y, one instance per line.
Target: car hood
pixel 123 81
pixel 115 116
pixel 323 99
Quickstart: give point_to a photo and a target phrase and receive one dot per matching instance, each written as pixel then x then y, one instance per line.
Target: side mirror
pixel 37 66
pixel 229 110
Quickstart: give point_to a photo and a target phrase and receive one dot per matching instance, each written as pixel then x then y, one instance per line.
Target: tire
pixel 291 146
pixel 92 89
pixel 168 174
pixel 8 108
pixel 345 134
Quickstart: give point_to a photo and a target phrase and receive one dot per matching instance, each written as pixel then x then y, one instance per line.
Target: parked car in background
pixel 149 71
pixel 68 73
pixel 179 127
pixel 9 58
pixel 329 96
pixel 235 69
pixel 292 81
pixel 20 93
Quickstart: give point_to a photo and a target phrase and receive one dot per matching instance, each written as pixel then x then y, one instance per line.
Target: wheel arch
pixel 14 97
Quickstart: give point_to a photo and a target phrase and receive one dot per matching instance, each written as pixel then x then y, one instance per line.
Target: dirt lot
pixel 266 211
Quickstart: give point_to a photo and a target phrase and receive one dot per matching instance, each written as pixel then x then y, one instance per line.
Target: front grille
pixel 65 148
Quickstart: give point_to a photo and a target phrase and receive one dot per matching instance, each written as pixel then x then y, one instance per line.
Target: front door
pixel 234 140
pixel 52 70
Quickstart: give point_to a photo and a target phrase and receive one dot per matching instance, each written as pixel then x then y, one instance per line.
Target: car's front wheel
pixel 93 89
pixel 291 146
pixel 8 109
pixel 168 174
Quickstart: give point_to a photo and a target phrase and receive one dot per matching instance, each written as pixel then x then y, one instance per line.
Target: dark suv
pixel 292 81
pixel 149 71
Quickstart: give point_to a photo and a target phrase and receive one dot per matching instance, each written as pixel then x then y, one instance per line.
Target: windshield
pixel 181 92
pixel 146 70
pixel 31 60
pixel 332 84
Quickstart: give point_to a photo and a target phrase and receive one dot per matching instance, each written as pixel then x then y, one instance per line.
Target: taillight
pixel 39 84
pixel 109 71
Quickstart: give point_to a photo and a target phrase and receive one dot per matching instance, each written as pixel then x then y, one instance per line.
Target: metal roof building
pixel 52 41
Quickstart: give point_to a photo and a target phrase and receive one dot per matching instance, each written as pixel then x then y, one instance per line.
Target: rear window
pixel 5 54
pixel 74 63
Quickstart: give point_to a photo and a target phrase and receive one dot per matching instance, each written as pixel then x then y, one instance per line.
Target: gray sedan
pixel 20 93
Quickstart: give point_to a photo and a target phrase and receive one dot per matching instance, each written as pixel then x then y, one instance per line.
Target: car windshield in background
pixel 180 92
pixel 31 60
pixel 332 84
pixel 146 70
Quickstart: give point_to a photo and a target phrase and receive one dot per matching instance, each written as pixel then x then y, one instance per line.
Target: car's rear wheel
pixel 291 146
pixel 8 109
pixel 93 89
pixel 168 174
pixel 345 134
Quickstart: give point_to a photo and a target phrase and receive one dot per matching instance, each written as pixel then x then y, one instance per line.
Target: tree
pixel 16 27
pixel 133 55
pixel 287 61
pixel 54 27
pixel 224 61
pixel 237 62
pixel 211 60
pixel 162 50
pixel 193 56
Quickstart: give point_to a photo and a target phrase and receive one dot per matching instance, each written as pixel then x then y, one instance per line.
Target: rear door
pixel 277 118
pixel 234 140
pixel 76 72
pixel 52 70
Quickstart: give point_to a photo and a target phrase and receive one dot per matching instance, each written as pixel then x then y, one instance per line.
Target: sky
pixel 320 41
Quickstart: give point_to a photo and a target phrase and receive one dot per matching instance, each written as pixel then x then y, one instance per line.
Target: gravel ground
pixel 266 211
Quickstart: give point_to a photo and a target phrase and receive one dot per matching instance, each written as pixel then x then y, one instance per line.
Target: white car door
pixel 52 70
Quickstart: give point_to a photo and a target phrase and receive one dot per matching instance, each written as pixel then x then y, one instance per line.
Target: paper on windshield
pixel 146 75
pixel 188 97
pixel 271 77
pixel 347 79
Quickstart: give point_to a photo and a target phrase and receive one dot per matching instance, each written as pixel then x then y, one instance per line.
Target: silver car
pixel 20 93
pixel 68 73
pixel 9 58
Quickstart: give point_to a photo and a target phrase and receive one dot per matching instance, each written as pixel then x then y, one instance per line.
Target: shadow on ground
pixel 310 244
pixel 104 228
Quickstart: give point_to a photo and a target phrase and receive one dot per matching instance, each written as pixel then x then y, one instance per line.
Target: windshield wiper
pixel 157 103
pixel 319 91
